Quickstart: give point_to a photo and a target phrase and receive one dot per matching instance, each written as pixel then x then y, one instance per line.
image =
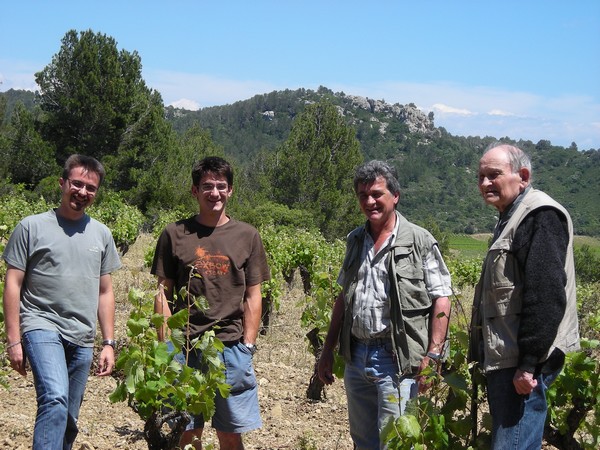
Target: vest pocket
pixel 412 289
pixel 501 324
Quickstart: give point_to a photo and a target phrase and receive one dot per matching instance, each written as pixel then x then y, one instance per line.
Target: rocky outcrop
pixel 415 119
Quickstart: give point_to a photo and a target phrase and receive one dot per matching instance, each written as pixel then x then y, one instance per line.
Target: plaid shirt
pixel 371 307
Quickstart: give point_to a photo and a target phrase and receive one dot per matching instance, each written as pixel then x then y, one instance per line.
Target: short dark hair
pixel 370 171
pixel 88 163
pixel 214 165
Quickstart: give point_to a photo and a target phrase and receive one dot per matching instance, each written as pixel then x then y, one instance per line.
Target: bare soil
pixel 283 367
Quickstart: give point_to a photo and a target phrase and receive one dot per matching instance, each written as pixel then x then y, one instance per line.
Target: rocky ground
pixel 283 367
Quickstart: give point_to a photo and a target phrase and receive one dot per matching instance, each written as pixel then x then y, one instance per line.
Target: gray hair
pixel 370 171
pixel 517 158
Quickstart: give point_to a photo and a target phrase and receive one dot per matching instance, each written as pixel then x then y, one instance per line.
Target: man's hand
pixel 426 381
pixel 325 367
pixel 524 382
pixel 106 363
pixel 17 361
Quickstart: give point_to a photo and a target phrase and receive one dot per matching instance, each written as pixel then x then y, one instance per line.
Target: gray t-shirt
pixel 63 261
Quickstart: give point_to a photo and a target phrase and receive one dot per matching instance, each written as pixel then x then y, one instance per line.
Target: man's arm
pixel 106 319
pixel 438 331
pixel 11 306
pixel 252 313
pixel 540 247
pixel 163 296
pixel 438 324
pixel 325 366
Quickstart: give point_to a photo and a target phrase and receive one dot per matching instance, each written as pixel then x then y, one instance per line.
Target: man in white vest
pixel 524 311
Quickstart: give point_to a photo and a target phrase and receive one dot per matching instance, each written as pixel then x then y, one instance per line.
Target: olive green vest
pixel 498 296
pixel 410 305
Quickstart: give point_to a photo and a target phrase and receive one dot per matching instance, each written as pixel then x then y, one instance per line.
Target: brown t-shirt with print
pixel 228 258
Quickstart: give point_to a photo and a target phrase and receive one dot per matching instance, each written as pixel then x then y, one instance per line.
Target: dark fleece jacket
pixel 540 247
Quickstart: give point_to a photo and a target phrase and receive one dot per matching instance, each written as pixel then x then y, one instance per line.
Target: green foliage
pixel 574 394
pixel 95 102
pixel 469 247
pixel 90 92
pixel 464 272
pixel 148 162
pixel 125 221
pixel 153 381
pixel 276 214
pixel 587 264
pixel 16 205
pixel 163 217
pixel 290 249
pixel 574 397
pixel 442 418
pixel 9 100
pixel 442 237
pixel 313 168
pixel 318 261
pixel 48 188
pixel 437 170
pixel 28 158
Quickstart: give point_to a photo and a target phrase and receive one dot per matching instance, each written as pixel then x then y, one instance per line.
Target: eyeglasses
pixel 209 187
pixel 80 185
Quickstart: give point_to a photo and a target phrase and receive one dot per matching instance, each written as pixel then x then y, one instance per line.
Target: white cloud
pixel 204 90
pixel 18 75
pixel 445 109
pixel 499 112
pixel 185 103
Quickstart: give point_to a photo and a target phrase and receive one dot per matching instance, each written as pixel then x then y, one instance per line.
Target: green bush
pixel 15 206
pixel 154 384
pixel 464 272
pixel 125 221
pixel 587 264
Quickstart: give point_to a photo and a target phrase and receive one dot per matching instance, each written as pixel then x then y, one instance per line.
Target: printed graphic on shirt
pixel 211 265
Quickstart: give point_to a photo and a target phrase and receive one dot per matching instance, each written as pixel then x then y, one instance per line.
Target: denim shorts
pixel 239 412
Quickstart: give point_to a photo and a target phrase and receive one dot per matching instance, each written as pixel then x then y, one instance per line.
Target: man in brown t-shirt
pixel 231 261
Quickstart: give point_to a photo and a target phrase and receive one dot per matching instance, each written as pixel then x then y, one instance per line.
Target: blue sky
pixel 522 69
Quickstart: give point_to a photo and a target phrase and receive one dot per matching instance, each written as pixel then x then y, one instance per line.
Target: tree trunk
pixel 315 390
pixel 154 435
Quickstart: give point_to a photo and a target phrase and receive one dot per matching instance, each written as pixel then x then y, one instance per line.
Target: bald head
pixel 516 157
pixel 504 172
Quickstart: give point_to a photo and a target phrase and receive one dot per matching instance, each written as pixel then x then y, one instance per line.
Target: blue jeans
pixel 373 386
pixel 517 420
pixel 60 372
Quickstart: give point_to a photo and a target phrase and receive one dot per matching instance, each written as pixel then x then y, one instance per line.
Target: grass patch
pixel 469 246
pixel 476 245
pixel 592 242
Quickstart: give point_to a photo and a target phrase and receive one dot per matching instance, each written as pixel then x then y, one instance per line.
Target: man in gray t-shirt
pixel 57 283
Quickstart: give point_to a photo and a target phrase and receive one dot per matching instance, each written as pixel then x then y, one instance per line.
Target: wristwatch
pixel 434 356
pixel 251 348
pixel 110 342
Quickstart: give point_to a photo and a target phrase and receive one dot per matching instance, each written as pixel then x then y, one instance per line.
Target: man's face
pixel 498 184
pixel 212 193
pixel 376 202
pixel 78 190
